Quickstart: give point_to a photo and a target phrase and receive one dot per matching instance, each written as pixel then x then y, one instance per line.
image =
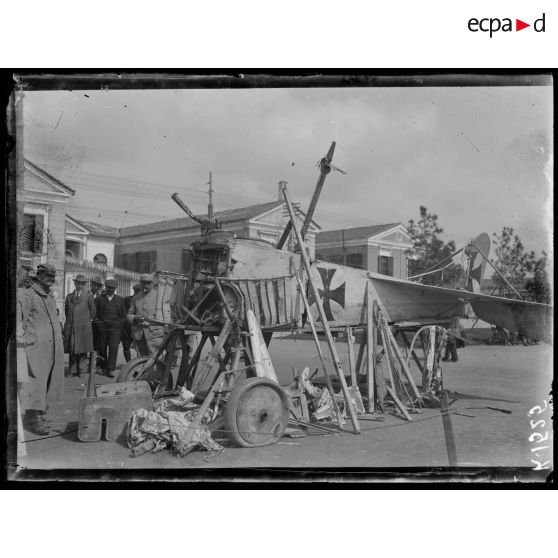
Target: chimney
pixel 280 190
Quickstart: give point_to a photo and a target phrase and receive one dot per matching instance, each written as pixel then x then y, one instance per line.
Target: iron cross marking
pixel 327 294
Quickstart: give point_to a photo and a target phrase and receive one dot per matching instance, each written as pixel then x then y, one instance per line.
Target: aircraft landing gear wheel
pixel 134 371
pixel 256 413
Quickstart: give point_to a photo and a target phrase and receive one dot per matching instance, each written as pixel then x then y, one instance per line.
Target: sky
pixel 478 157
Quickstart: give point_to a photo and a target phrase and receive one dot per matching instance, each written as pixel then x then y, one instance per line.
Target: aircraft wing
pixel 405 300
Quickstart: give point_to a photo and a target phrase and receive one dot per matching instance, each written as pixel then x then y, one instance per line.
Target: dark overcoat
pixel 39 335
pixel 78 332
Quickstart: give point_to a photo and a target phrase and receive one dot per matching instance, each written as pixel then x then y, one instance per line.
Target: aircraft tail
pixel 477 251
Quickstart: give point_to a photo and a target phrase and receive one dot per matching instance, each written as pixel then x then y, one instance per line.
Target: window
pixel 385 265
pixel 143 262
pixel 30 233
pixel 354 260
pixel 100 259
pixel 336 259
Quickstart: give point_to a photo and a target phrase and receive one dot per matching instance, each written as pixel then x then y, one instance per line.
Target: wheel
pixel 134 370
pixel 256 413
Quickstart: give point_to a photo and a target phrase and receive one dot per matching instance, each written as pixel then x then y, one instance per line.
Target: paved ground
pixel 511 378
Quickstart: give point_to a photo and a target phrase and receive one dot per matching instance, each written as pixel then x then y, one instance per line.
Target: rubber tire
pixel 127 374
pixel 273 417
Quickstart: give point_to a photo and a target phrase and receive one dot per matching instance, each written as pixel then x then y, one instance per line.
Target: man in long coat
pixel 111 316
pixel 40 371
pixel 78 333
pixel 147 336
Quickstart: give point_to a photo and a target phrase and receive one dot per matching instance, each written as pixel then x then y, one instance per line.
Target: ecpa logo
pixel 494 24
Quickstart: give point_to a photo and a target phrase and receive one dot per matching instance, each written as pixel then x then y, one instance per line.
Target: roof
pixel 58 182
pixel 354 233
pixel 98 230
pixel 228 215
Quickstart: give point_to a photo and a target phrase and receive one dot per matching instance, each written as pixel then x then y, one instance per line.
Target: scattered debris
pixel 167 426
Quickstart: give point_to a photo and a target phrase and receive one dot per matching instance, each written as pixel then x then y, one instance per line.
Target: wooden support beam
pixel 400 405
pixel 448 429
pixel 371 368
pixel 351 355
pixel 203 373
pixel 402 362
pixel 319 349
pixel 348 401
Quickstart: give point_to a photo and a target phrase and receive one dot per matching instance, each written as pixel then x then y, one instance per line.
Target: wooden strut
pixel 319 349
pixel 325 169
pixel 370 338
pixel 448 429
pixel 212 358
pixel 348 401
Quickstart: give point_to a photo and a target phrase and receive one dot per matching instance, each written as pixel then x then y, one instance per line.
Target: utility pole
pixel 210 206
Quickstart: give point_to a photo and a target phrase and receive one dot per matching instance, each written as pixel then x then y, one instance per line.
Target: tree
pixel 429 250
pixel 538 287
pixel 512 260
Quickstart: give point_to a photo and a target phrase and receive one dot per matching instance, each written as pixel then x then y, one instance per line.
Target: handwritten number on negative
pixel 540 409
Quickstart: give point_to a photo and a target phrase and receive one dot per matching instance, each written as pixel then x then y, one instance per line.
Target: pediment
pixel 73 227
pixel 37 181
pixel 398 235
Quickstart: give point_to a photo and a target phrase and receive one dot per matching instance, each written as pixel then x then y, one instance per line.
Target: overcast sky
pixel 479 157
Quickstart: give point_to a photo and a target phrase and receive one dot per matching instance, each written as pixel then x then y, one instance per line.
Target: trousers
pixel 109 338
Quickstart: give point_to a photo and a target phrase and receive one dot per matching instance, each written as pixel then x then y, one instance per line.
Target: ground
pixel 510 378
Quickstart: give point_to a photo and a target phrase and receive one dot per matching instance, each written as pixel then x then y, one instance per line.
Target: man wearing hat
pixel 147 336
pixel 96 291
pixel 111 316
pixel 126 333
pixel 78 330
pixel 40 374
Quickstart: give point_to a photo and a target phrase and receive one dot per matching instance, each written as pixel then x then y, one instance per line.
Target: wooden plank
pixel 351 355
pixel 280 298
pixel 254 301
pixel 403 363
pixel 204 373
pixel 264 304
pixel 387 357
pixel 243 286
pixel 320 354
pixel 448 429
pixel 369 347
pixel 348 401
pixel 400 405
pixel 271 301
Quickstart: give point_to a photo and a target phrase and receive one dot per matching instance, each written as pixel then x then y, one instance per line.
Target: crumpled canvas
pixel 167 425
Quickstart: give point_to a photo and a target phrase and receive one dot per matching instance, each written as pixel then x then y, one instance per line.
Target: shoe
pixel 454 359
pixel 445 359
pixel 109 373
pixel 36 424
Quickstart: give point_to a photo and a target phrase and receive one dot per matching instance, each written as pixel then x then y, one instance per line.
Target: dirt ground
pixel 510 378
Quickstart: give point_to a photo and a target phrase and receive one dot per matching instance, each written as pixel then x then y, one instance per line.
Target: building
pixel 41 222
pixel 378 248
pixel 164 245
pixel 90 241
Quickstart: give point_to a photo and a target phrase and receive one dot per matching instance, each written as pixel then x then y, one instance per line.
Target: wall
pixel 96 245
pixel 57 229
pixel 327 253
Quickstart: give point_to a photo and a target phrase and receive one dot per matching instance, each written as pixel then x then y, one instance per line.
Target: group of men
pixel 96 320
pixel 100 320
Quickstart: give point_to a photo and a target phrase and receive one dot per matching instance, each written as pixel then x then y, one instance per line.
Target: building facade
pixel 41 222
pixel 378 248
